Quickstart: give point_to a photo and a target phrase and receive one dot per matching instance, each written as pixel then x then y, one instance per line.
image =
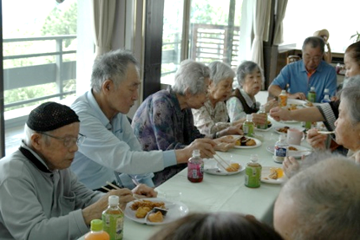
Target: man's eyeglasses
pixel 68 141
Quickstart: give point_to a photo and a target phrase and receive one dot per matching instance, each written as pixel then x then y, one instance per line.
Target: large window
pixel 39 57
pixel 304 17
pixel 213 33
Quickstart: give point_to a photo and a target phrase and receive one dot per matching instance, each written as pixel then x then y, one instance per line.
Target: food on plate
pixel 244 141
pixel 309 104
pixel 147 203
pixel 269 124
pixel 291 148
pixel 142 211
pixel 156 217
pixel 251 142
pixel 292 107
pixel 233 167
pixel 283 129
pixel 276 173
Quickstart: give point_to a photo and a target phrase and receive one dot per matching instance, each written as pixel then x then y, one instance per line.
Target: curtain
pixel 280 14
pixel 104 16
pixel 260 22
pixel 246 30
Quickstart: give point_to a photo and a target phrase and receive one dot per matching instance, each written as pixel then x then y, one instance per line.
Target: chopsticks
pixel 136 196
pixel 220 160
pixel 326 132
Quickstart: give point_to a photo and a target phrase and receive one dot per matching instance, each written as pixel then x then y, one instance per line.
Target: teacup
pixel 295 136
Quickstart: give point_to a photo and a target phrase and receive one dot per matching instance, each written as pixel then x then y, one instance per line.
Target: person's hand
pixel 290 166
pixel 334 98
pixel 238 122
pixel 225 143
pixel 144 191
pixel 315 139
pixel 95 210
pixel 232 130
pixel 205 145
pixel 279 114
pixel 271 104
pixel 259 119
pixel 298 95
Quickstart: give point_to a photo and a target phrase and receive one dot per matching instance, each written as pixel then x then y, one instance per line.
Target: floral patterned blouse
pixel 236 109
pixel 209 119
pixel 160 124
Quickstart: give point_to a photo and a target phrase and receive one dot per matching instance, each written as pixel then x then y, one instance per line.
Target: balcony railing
pixel 57 71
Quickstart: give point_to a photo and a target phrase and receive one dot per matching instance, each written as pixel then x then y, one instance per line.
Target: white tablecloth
pixel 223 193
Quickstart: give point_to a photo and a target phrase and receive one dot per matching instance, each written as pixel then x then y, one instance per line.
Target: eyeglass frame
pixel 79 140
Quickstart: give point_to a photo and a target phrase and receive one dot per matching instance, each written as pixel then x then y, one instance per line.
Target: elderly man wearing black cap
pixel 40 198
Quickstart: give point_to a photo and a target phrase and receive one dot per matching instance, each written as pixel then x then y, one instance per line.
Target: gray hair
pixel 326 200
pixel 314 42
pixel 220 71
pixel 245 68
pixel 351 94
pixel 28 132
pixel 112 65
pixel 191 75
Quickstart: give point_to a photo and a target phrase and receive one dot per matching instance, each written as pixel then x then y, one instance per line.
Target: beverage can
pixel 253 174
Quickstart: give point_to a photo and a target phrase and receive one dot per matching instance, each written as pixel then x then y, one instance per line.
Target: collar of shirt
pixel 251 103
pixel 101 116
pixel 318 69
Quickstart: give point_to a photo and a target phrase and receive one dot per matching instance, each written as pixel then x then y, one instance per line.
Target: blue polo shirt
pixel 296 76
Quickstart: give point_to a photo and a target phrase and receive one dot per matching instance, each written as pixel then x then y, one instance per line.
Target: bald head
pixel 321 202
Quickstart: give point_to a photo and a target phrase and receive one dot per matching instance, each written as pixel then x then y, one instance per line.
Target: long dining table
pixel 223 192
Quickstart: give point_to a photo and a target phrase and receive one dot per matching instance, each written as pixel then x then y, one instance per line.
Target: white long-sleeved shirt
pixel 112 146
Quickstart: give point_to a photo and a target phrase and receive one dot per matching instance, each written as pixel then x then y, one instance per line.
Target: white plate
pixel 213 167
pixel 314 104
pixel 296 154
pixel 295 101
pixel 258 144
pixel 277 129
pixel 175 210
pixel 265 172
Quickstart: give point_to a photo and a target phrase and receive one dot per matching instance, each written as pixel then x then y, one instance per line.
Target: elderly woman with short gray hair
pixel 213 116
pixel 164 120
pixel 250 79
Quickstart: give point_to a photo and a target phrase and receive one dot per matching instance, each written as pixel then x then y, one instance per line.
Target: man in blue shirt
pixel 312 71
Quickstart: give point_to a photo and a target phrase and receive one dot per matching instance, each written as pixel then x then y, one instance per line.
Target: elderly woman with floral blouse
pixel 213 116
pixel 164 120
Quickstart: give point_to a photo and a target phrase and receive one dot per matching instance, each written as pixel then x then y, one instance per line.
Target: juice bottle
pixel 262 111
pixel 312 95
pixel 253 172
pixel 96 231
pixel 248 126
pixel 283 98
pixel 113 219
pixel 195 167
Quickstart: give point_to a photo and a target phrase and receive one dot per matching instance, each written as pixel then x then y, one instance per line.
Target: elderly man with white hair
pixel 321 202
pixel 165 121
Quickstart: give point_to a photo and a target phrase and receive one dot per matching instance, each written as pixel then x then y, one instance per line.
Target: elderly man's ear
pixel 107 85
pixel 35 141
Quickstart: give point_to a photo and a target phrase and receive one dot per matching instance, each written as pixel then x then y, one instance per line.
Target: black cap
pixel 50 116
